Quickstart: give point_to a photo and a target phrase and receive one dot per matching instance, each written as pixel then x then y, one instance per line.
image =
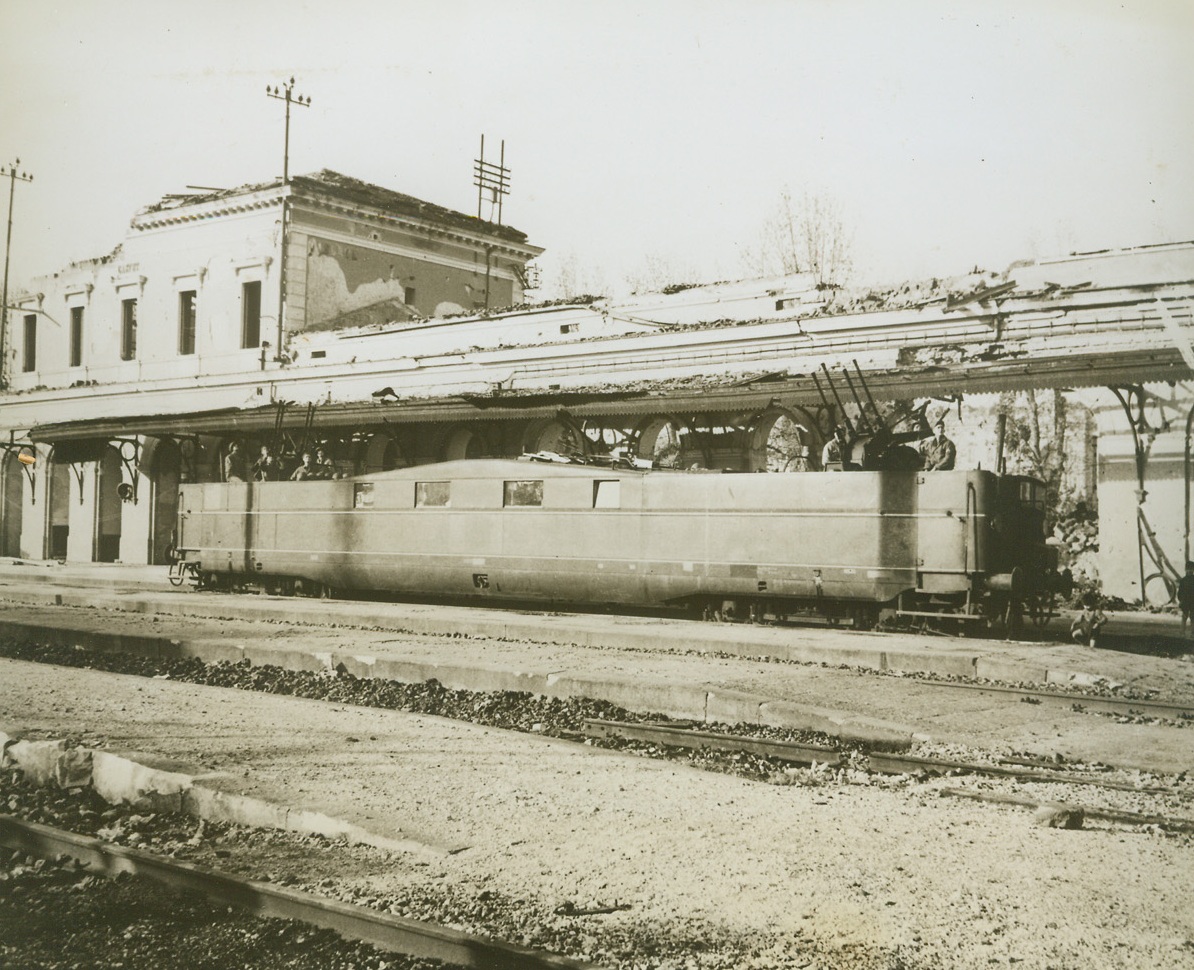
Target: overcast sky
pixel 644 133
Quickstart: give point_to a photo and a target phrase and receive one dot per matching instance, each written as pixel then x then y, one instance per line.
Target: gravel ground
pixel 918 703
pixel 835 869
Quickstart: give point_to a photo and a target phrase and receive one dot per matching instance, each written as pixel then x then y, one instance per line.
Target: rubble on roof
pixel 349 189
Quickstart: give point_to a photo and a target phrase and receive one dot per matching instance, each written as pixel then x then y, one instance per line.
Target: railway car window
pixel 1032 493
pixel 362 495
pixel 432 494
pixel 523 493
pixel 607 495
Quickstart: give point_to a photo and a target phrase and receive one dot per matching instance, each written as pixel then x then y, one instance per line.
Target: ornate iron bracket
pixel 30 472
pixel 129 450
pixel 1154 564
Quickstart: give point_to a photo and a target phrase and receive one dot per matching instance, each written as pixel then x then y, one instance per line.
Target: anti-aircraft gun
pixel 875 440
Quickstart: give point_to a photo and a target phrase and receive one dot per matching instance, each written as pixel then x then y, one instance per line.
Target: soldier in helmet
pixel 939 452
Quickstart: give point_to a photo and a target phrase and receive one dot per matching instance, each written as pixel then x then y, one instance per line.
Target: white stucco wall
pixel 1166 411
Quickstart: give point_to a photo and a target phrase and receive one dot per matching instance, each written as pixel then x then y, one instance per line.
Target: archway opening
pixel 555 435
pixel 464 443
pixel 785 441
pixel 664 442
pixel 381 454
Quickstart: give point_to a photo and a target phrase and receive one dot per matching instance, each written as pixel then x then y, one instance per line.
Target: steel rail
pixel 1118 705
pixel 688 738
pixel 1175 824
pixel 898 764
pixel 395 933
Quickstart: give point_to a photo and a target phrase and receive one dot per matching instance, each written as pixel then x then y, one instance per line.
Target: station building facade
pixel 206 295
pixel 329 311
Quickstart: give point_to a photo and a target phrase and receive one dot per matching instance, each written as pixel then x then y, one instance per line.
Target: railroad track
pixel 680 737
pixel 395 933
pixel 891 763
pixel 1175 710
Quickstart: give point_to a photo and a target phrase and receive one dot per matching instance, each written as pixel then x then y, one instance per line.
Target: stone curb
pixel 120 780
pixel 758 643
pixel 686 701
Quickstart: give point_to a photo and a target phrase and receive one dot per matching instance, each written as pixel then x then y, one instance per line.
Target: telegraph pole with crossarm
pixel 13 177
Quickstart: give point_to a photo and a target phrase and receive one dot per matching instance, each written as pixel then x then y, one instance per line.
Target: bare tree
pixel 567 278
pixel 803 236
pixel 657 273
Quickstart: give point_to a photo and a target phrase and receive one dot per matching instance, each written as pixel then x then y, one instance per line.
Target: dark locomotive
pixel 857 546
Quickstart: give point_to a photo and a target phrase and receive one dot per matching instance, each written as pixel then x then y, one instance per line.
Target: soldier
pixel 939 452
pixel 323 465
pixel 266 467
pixel 834 452
pixel 306 471
pixel 234 464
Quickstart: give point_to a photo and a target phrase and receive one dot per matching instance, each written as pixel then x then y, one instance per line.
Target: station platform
pixel 706 672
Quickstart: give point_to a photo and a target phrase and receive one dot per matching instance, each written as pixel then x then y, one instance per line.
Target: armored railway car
pixel 966 543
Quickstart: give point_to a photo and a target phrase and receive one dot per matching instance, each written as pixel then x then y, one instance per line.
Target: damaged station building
pixel 322 311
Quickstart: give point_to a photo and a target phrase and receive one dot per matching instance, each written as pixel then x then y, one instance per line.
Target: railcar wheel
pixel 1040 609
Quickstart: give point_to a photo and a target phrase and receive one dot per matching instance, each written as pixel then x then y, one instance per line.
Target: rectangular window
pixel 186 322
pixel 607 495
pixel 76 336
pixel 432 494
pixel 250 314
pixel 408 295
pixel 29 361
pixel 523 494
pixel 362 495
pixel 128 329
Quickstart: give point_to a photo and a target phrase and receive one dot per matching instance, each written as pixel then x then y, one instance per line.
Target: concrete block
pixel 208 650
pixel 872 658
pixel 118 779
pixel 316 823
pixel 736 647
pixel 359 666
pixel 37 760
pixel 264 654
pixel 799 716
pixel 485 677
pixel 403 671
pixel 646 697
pixel 204 802
pixel 732 706
pixel 993 668
pixel 877 735
pixel 74 768
pixel 928 661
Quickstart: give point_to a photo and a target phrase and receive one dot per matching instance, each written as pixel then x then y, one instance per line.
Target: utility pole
pixel 494 180
pixel 285 94
pixel 13 177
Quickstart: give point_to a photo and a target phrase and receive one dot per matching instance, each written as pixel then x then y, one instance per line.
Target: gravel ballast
pixel 823 872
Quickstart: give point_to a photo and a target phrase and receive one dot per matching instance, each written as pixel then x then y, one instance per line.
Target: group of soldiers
pixel 313 466
pixel 938 453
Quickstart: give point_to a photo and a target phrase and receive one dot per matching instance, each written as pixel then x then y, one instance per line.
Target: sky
pixel 646 137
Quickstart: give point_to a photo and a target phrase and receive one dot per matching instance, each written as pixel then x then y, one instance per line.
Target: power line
pixel 13 177
pixel 286 93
